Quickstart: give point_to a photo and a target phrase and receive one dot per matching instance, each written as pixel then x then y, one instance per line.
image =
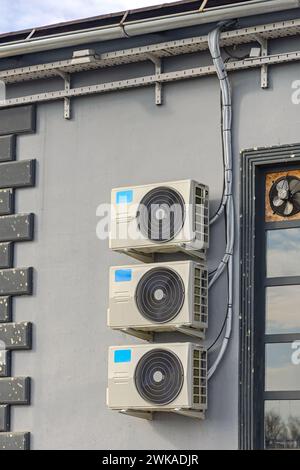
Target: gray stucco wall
pixel 113 140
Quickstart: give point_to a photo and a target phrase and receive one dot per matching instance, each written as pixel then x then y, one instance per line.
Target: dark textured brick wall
pixel 14 228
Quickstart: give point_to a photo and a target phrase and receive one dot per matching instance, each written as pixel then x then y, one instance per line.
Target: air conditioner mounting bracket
pixel 144 335
pixel 200 334
pixel 148 415
pixel 190 413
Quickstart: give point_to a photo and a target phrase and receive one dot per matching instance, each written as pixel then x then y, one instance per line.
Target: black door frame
pixel 252 325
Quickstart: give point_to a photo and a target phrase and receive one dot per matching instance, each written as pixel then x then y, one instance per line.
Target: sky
pixel 22 14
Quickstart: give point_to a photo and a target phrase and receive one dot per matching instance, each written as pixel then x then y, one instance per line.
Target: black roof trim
pixel 155 11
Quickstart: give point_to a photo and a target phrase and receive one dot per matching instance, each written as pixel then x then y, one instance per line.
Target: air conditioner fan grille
pixel 160 295
pixel 159 377
pixel 161 214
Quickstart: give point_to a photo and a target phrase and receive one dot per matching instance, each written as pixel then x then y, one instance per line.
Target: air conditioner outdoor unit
pixel 143 379
pixel 164 217
pixel 159 297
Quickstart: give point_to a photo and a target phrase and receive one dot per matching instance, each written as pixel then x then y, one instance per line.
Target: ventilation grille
pixel 159 377
pixel 161 214
pixel 199 378
pixel 160 295
pixel 201 296
pixel 202 214
pixel 285 196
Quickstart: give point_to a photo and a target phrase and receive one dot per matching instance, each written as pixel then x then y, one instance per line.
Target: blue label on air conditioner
pixel 123 275
pixel 122 355
pixel 124 197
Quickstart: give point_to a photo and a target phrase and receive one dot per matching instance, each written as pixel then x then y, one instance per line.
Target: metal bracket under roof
pixel 157 61
pixel 264 69
pixel 151 80
pixel 86 60
pixel 67 102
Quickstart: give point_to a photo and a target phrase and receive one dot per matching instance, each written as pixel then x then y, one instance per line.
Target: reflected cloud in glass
pixel 283 310
pixel 283 252
pixel 282 371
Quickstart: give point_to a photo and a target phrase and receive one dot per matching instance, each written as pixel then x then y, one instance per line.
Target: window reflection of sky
pixel 283 309
pixel 283 257
pixel 281 373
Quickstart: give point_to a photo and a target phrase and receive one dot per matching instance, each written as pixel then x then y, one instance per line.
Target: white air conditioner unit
pixel 143 379
pixel 159 297
pixel 164 217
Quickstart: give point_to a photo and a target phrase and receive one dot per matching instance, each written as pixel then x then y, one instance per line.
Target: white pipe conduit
pixel 147 26
pixel 228 203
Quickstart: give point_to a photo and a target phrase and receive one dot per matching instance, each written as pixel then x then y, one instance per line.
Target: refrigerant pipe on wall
pixel 227 202
pixel 146 26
